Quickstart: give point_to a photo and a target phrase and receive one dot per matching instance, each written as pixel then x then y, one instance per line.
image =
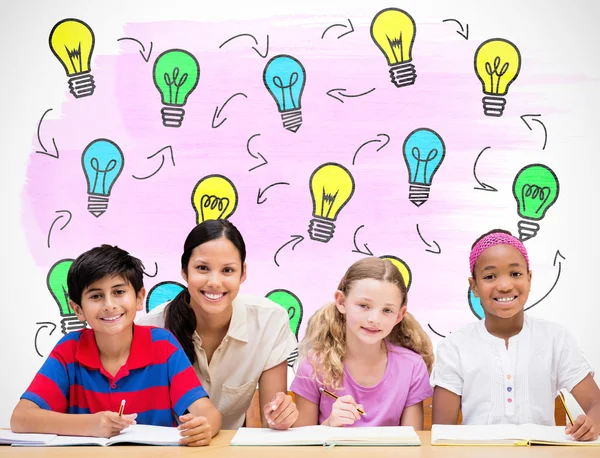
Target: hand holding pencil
pixel 345 410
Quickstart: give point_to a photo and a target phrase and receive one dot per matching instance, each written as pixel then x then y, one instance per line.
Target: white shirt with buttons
pixel 513 385
pixel 259 338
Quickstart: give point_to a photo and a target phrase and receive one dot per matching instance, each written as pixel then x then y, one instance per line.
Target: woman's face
pixel 214 275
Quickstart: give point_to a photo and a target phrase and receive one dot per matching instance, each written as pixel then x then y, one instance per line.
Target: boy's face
pixel 109 305
pixel 501 281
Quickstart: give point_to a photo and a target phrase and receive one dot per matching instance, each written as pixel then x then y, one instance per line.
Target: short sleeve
pixel 285 341
pixel 447 371
pixel 420 389
pixel 572 367
pixel 305 383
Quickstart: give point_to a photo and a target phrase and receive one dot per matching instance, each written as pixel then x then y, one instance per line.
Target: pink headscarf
pixel 493 239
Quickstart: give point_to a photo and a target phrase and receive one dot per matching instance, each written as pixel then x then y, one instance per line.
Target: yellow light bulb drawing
pixel 402 267
pixel 331 187
pixel 214 197
pixel 497 65
pixel 72 42
pixel 393 31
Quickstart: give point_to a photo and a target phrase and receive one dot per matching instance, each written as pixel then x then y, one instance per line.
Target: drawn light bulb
pixel 475 304
pixel 536 189
pixel 497 65
pixel 102 162
pixel 214 197
pixel 72 42
pixel 176 73
pixel 292 304
pixel 402 267
pixel 284 77
pixel 424 151
pixel 56 281
pixel 162 292
pixel 393 31
pixel 331 187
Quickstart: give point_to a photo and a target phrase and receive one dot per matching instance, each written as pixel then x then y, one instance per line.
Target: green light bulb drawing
pixel 536 189
pixel 176 73
pixel 57 285
pixel 292 304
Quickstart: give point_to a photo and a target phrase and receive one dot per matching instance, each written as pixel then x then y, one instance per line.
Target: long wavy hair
pixel 324 344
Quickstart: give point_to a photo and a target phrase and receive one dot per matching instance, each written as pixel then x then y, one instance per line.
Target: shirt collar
pixel 140 354
pixel 238 327
pixel 523 334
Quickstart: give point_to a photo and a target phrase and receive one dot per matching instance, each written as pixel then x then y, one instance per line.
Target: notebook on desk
pixel 503 435
pixel 135 434
pixel 328 435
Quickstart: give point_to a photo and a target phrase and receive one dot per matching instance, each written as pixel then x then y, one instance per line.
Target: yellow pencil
pixel 330 394
pixel 564 404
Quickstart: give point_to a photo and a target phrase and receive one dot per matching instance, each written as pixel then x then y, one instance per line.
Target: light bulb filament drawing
pixel 416 153
pixel 535 192
pixel 327 203
pixel 212 203
pixel 172 81
pixel 95 165
pixel 491 71
pixel 214 197
pixel 286 95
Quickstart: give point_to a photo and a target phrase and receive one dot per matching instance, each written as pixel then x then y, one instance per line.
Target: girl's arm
pixel 308 412
pixel 413 416
pixel 587 395
pixel 446 407
pixel 272 392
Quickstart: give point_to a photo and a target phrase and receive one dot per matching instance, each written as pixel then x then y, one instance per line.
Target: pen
pixel 330 394
pixel 564 404
pixel 122 407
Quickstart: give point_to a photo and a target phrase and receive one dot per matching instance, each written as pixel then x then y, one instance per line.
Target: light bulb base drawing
pixel 527 230
pixel 418 194
pixel 71 323
pixel 403 74
pixel 321 230
pixel 294 355
pixel 97 205
pixel 172 116
pixel 292 120
pixel 82 85
pixel 493 105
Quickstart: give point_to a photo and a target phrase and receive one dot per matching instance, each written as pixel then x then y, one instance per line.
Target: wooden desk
pixel 220 448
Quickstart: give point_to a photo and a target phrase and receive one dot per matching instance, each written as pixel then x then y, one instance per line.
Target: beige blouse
pixel 259 338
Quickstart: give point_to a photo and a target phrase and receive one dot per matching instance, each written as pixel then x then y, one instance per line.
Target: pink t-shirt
pixel 404 383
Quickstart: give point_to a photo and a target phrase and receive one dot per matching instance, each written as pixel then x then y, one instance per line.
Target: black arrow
pixel 260 193
pixel 218 110
pixel 296 239
pixel 253 47
pixel 162 162
pixel 146 58
pixel 339 25
pixel 438 250
pixel 556 258
pixel 484 186
pixel 371 141
pixel 155 272
pixel 341 94
pixel 43 325
pixel 265 162
pixel 358 250
pixel 56 219
pixel 40 140
pixel 534 118
pixel 434 331
pixel 463 33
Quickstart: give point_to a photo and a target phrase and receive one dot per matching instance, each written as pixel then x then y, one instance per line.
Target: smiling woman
pixel 234 341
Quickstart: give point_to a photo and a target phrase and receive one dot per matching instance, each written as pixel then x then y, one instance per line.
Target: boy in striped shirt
pixel 80 387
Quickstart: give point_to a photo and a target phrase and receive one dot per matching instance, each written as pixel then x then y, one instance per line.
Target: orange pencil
pixel 330 394
pixel 122 407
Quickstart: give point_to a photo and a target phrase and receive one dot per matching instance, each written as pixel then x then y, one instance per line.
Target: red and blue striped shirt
pixel 157 381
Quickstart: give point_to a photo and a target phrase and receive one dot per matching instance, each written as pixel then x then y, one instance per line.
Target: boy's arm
pixel 587 395
pixel 446 407
pixel 204 408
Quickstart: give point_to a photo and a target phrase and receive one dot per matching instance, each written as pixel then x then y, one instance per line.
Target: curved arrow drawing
pixel 218 110
pixel 155 273
pixel 371 141
pixel 339 25
pixel 329 93
pixel 438 250
pixel 253 47
pixel 56 219
pixel 296 239
pixel 43 325
pixel 146 58
pixel 162 162
pixel 358 250
pixel 556 257
pixel 260 193
pixel 534 118
pixel 462 33
pixel 40 140
pixel 484 186
pixel 434 331
pixel 265 162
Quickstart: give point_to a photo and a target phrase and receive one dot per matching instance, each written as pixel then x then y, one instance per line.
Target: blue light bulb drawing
pixel 475 305
pixel 424 151
pixel 284 77
pixel 162 292
pixel 102 163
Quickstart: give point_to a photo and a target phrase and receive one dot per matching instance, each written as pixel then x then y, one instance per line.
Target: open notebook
pixel 503 435
pixel 135 434
pixel 328 435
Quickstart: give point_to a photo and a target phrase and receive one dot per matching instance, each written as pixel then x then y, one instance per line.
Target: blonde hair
pixel 324 343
